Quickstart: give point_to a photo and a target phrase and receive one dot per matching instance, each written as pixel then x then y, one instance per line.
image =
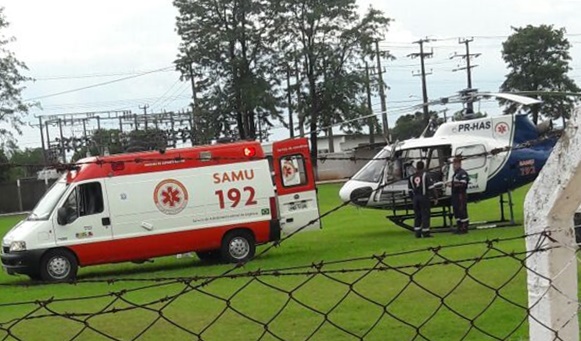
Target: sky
pixel 71 44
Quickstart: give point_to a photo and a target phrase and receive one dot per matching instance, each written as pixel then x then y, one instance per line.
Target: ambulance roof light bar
pixel 249 151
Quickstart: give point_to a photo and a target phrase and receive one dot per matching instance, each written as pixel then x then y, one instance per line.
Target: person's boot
pixel 418 233
pixel 465 227
pixel 427 234
pixel 458 228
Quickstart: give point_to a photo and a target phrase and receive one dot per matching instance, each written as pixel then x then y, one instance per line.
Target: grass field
pixel 353 301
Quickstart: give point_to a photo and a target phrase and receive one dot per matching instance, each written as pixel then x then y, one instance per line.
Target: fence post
pixel 19 195
pixel 549 208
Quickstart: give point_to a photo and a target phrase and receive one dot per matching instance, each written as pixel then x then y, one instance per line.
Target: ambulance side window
pixel 90 198
pixel 86 199
pixel 71 205
pixel 293 171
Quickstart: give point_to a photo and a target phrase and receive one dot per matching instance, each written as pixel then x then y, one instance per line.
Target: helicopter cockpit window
pixel 474 156
pixel 371 172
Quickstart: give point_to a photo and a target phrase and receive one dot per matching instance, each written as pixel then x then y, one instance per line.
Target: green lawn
pixel 440 298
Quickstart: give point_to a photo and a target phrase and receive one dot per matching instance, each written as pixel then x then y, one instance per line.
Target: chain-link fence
pixel 469 291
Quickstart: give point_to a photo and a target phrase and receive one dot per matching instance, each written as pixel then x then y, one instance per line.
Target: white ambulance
pixel 219 201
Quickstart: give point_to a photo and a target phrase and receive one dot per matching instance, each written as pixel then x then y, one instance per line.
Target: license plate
pixel 298 206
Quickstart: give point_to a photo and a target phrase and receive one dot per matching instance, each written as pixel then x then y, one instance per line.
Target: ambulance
pixel 219 201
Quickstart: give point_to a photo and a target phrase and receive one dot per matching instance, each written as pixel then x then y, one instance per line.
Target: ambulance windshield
pixel 48 202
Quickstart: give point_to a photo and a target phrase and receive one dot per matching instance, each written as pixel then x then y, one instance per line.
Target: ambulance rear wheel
pixel 58 265
pixel 238 246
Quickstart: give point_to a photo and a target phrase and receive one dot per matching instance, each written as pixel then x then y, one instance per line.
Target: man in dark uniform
pixel 419 184
pixel 459 186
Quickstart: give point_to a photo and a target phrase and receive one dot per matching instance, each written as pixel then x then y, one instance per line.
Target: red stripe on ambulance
pixel 145 247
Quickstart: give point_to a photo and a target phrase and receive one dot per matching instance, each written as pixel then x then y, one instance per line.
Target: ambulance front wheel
pixel 58 265
pixel 238 246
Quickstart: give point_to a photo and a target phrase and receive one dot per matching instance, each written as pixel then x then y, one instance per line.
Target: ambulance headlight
pixel 17 246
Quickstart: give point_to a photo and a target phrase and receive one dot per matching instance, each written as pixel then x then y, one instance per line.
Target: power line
pixel 174 96
pixel 164 94
pixel 83 76
pixel 172 100
pixel 98 84
pixel 101 104
pixel 412 44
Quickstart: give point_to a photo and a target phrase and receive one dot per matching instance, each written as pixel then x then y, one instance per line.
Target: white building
pixel 345 143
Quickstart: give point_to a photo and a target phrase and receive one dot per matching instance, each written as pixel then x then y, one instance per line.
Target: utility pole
pixel 193 123
pixel 382 94
pixel 193 84
pixel 423 55
pixel 290 103
pixel 298 85
pixel 145 107
pixel 467 56
pixel 44 152
pixel 371 119
pixel 62 141
pixel 144 113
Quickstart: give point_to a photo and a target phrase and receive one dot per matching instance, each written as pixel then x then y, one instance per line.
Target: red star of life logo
pixel 170 196
pixel 288 171
pixel 502 128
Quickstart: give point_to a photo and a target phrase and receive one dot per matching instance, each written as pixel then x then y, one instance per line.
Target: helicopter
pixel 499 153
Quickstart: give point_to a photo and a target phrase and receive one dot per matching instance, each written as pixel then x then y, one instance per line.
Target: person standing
pixel 419 184
pixel 459 186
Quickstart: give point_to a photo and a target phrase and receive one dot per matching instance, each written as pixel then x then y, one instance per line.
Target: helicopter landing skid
pixel 447 218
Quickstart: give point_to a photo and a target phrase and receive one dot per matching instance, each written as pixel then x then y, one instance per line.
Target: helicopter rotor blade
pixel 548 93
pixel 511 97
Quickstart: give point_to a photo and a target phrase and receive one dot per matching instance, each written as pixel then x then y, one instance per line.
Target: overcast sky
pixel 69 44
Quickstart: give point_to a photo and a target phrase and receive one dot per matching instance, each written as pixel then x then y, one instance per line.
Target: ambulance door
pixel 83 217
pixel 295 186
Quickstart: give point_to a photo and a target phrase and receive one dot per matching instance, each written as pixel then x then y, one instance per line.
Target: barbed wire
pixel 296 270
pixel 352 286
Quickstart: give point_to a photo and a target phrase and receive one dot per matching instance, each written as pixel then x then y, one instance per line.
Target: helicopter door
pixel 475 163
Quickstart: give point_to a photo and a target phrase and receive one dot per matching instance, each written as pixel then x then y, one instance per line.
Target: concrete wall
pixel 337 166
pixel 344 143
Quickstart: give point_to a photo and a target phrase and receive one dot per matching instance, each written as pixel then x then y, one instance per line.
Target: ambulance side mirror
pixel 62 216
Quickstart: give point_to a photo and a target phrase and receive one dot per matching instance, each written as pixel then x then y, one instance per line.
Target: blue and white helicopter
pixel 500 154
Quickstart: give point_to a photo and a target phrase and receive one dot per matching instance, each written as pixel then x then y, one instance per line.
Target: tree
pixel 12 108
pixel 330 40
pixel 413 125
pixel 229 44
pixel 538 58
pixel 32 159
pixel 113 141
pixel 4 167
